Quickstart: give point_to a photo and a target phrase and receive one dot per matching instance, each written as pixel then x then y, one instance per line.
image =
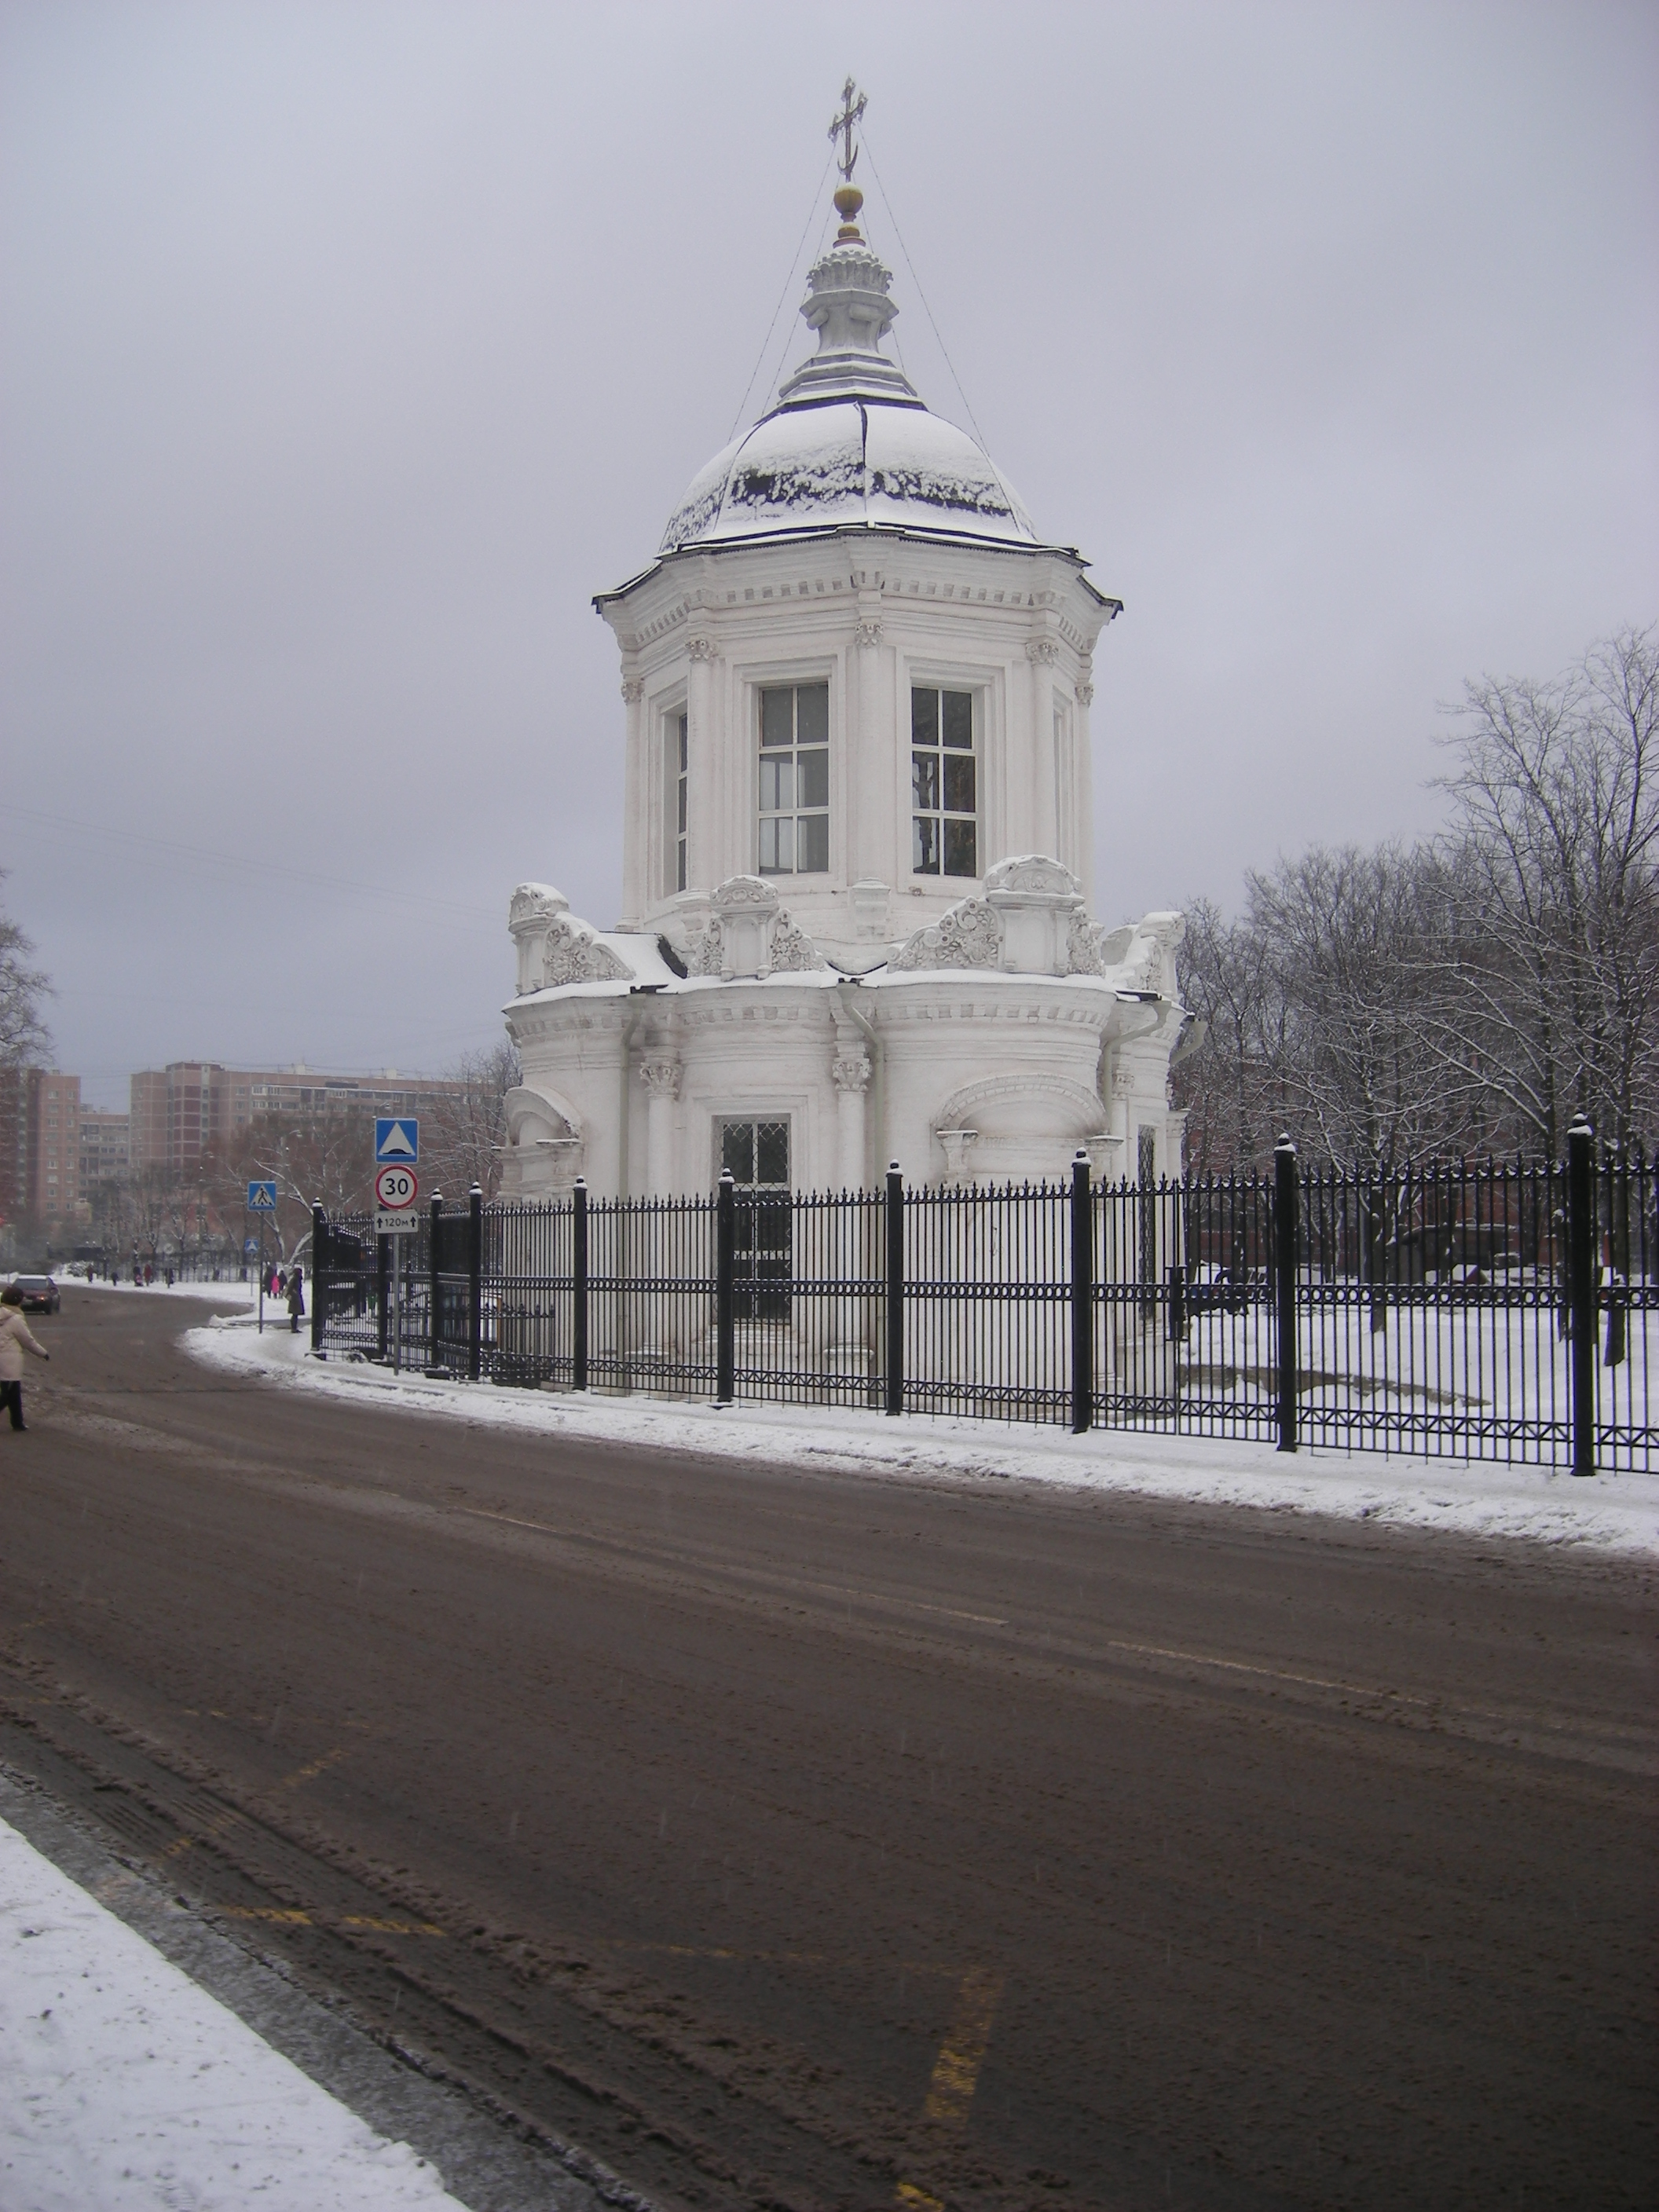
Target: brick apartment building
pixel 179 1112
pixel 40 1147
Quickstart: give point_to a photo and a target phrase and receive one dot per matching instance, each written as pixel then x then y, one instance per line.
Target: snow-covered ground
pixel 228 1293
pixel 124 2086
pixel 1610 1512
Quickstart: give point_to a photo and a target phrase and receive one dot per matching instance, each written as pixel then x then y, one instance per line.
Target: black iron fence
pixel 1470 1309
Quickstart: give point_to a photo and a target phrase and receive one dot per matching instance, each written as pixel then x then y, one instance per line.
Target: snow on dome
pixel 849 441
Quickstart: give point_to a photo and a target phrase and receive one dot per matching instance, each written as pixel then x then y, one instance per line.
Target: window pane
pixel 738 1150
pixel 961 849
pixel 959 783
pixel 924 779
pixel 768 846
pixel 923 844
pixel 786 835
pixel 681 820
pixel 684 725
pixel 772 1157
pixel 812 779
pixel 811 844
pixel 812 715
pixel 960 719
pixel 924 717
pixel 777 717
pixel 679 871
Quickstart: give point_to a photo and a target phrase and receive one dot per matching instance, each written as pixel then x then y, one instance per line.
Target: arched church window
pixel 794 779
pixel 944 783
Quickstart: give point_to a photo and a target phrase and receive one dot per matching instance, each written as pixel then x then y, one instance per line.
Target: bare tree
pixel 308 1156
pixel 23 1035
pixel 1546 992
pixel 463 1134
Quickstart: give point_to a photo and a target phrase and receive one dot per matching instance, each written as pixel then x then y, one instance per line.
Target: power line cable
pixel 916 279
pixel 788 281
pixel 241 862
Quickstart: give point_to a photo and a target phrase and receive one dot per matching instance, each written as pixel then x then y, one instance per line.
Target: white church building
pixel 858 846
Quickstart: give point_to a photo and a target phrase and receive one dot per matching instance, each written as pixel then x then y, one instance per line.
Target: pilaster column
pixel 1083 866
pixel 659 1073
pixel 703 859
pixel 851 1070
pixel 641 809
pixel 870 849
pixel 1043 653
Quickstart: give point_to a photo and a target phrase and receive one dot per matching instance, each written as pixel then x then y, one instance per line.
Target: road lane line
pixel 955 2071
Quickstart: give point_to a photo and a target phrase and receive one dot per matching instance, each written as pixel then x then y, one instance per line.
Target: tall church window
pixel 756 1155
pixel 944 783
pixel 794 780
pixel 681 732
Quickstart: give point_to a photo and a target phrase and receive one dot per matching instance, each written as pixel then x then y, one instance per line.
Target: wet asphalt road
pixel 782 1838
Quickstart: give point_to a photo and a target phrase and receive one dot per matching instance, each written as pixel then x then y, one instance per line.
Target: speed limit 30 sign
pixel 395 1188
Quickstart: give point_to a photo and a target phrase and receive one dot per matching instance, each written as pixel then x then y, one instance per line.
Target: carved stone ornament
pixel 869 630
pixel 793 950
pixel 1044 650
pixel 851 1070
pixel 1083 947
pixel 1033 875
pixel 572 953
pixel 633 690
pixel 1085 695
pixel 702 648
pixel 701 949
pixel 535 903
pixel 738 892
pixel 966 935
pixel 661 1076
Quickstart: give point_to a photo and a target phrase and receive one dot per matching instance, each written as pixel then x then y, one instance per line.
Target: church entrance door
pixel 756 1154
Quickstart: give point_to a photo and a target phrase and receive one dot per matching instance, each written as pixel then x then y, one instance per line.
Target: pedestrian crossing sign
pixel 262 1198
pixel 397 1139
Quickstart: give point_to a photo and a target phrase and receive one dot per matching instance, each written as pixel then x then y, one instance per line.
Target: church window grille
pixel 794 780
pixel 682 735
pixel 756 1154
pixel 944 783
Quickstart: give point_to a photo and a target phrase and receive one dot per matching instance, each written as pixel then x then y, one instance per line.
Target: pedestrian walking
pixel 296 1299
pixel 14 1341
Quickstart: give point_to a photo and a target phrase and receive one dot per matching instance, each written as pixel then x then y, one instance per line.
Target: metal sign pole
pixel 262 1274
pixel 396 1305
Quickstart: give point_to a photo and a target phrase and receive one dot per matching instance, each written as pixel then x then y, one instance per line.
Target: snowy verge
pixel 1612 1513
pixel 124 2087
pixel 220 1294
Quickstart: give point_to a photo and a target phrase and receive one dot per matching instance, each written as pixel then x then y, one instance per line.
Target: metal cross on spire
pixel 841 127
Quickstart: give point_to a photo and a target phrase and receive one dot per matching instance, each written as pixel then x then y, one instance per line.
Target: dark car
pixel 40 1294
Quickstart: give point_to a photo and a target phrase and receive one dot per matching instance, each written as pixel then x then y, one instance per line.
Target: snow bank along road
pixel 793 1837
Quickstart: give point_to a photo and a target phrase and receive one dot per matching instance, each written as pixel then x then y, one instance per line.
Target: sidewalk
pixel 124 2086
pixel 1613 1512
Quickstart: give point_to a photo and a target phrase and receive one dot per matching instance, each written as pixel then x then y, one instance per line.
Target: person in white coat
pixel 14 1342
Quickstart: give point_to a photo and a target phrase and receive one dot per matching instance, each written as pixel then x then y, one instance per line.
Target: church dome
pixel 850 443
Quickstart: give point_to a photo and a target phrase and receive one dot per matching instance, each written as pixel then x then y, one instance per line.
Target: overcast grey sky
pixel 348 349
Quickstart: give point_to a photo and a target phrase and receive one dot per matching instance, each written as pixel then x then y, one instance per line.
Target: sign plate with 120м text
pixel 398 1224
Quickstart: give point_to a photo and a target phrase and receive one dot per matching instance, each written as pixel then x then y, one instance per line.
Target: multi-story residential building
pixel 40 1147
pixel 105 1148
pixel 181 1111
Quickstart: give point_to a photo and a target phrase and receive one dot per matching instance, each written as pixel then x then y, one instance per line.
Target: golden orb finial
pixel 848 200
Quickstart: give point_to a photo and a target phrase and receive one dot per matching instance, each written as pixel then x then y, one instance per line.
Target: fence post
pixel 1285 1195
pixel 1581 1289
pixel 433 1288
pixel 319 1255
pixel 725 1268
pixel 1082 1296
pixel 578 1286
pixel 1177 1304
pixel 474 1283
pixel 894 1400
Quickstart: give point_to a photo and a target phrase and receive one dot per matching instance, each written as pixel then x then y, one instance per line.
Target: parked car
pixel 39 1293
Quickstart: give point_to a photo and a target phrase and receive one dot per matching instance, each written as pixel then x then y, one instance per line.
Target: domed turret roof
pixel 849 441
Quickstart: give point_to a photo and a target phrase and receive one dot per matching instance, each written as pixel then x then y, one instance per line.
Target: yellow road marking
pixel 294 1916
pixel 316 1766
pixel 955 2071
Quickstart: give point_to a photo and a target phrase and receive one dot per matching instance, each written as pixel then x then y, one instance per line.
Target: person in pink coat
pixel 14 1342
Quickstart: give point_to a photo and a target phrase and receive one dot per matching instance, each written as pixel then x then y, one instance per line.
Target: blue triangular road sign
pixel 397 1139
